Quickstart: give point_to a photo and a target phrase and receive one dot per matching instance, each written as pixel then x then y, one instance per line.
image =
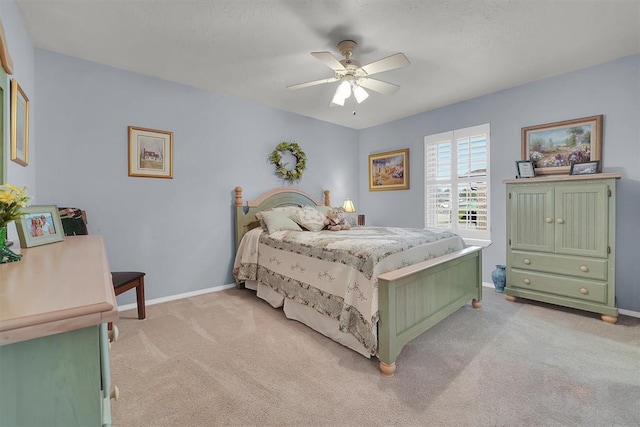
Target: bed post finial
pixel 238 196
pixel 327 202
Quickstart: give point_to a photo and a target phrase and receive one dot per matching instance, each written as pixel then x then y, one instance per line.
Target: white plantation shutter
pixel 457 181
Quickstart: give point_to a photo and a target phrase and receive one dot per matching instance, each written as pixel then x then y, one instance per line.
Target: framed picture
pixel 150 153
pixel 525 169
pixel 585 168
pixel 554 147
pixel 19 129
pixel 389 171
pixel 39 225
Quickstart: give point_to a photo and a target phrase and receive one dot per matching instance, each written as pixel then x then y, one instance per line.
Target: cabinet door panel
pixel 51 381
pixel 581 220
pixel 532 218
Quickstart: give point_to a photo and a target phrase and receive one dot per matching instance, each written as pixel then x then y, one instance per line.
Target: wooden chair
pixel 74 223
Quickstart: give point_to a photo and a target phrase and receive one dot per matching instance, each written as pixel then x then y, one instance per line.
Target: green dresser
pixel 54 346
pixel 561 241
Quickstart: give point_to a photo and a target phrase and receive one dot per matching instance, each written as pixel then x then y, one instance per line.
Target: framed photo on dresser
pixel 525 169
pixel 39 225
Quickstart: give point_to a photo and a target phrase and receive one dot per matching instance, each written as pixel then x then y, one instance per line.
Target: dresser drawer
pixel 586 290
pixel 588 268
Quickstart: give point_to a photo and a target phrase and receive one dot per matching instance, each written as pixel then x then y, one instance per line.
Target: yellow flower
pixel 12 200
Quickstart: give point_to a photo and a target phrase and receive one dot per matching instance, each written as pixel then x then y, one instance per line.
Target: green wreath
pixel 275 158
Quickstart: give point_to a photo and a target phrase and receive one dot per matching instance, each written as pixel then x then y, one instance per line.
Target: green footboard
pixel 414 298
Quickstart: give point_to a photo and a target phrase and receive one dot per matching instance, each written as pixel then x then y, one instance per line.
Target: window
pixel 457 182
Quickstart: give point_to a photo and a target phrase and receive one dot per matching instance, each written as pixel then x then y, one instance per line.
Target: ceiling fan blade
pixel 330 60
pixel 385 64
pixel 378 86
pixel 313 83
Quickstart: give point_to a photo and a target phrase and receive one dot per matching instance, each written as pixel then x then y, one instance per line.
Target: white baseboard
pixel 223 287
pixel 629 313
pixel 176 297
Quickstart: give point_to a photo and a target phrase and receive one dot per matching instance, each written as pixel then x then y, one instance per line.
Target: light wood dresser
pixel 561 241
pixel 54 350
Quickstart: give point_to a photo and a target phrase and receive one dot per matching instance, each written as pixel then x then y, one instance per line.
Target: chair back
pixel 74 221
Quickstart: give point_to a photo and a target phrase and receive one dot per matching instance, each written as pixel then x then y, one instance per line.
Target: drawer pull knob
pixel 527 281
pixel 114 334
pixel 549 220
pixel 584 291
pixel 527 261
pixel 584 268
pixel 559 220
pixel 115 393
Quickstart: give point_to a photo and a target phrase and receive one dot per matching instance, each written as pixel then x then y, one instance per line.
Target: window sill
pixel 476 242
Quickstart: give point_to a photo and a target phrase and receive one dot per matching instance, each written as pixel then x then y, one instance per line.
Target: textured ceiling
pixel 253 49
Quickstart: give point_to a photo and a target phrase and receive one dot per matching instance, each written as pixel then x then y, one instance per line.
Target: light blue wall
pixel 611 89
pixel 180 230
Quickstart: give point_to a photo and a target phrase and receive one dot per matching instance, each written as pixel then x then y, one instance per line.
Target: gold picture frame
pixel 554 147
pixel 150 153
pixel 389 170
pixel 19 129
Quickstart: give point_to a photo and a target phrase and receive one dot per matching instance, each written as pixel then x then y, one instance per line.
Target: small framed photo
pixel 585 168
pixel 39 225
pixel 19 129
pixel 389 171
pixel 525 168
pixel 150 153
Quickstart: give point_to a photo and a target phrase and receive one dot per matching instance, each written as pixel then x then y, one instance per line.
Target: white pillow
pixel 287 209
pixel 278 221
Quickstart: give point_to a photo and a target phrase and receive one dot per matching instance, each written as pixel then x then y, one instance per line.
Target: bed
pixel 375 298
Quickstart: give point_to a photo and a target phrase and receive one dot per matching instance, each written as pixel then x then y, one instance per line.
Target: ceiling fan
pixel 353 76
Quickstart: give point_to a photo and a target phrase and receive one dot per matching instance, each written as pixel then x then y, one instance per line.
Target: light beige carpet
pixel 228 358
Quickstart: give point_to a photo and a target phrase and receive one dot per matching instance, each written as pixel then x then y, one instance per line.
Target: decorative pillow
pixel 278 221
pixel 287 209
pixel 351 218
pixel 309 218
pixel 323 209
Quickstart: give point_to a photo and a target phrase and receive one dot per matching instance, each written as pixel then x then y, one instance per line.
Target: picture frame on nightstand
pixel 525 169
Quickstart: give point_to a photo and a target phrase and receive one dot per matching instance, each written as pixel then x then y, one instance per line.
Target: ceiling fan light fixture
pixel 353 76
pixel 360 93
pixel 344 90
pixel 337 99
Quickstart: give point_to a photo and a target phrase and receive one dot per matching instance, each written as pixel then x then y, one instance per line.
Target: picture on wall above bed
pixel 389 170
pixel 554 147
pixel 150 153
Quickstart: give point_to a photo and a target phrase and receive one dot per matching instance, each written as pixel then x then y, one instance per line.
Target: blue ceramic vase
pixel 499 277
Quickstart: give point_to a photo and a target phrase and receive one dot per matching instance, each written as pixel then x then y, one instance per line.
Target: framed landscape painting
pixel 150 153
pixel 389 171
pixel 554 147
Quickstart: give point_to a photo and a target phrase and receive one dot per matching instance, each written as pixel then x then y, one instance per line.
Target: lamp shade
pixel 348 206
pixel 360 94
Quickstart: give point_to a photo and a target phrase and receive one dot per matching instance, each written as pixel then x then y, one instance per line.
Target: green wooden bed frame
pixel 411 299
